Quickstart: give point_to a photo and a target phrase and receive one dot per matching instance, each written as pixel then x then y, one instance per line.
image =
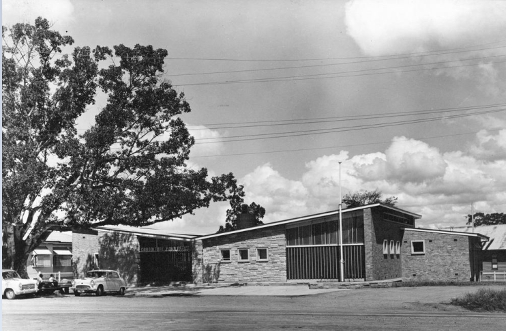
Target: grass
pixel 442 283
pixel 483 300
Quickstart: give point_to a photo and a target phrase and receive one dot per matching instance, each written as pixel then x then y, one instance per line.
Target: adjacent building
pixel 53 256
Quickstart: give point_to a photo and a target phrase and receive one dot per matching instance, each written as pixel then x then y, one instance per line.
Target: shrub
pixel 483 299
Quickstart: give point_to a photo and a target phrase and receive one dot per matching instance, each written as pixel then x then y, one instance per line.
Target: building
pixel 438 255
pixel 140 255
pixel 380 242
pixel 53 256
pixel 494 251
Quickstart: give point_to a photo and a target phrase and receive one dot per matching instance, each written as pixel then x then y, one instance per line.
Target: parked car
pixel 13 285
pixel 99 282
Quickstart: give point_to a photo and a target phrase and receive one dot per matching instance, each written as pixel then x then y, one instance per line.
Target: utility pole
pixel 341 262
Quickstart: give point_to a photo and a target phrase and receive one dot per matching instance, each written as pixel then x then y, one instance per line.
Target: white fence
pixel 495 276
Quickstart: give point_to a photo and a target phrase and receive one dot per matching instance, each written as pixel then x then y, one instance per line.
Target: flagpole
pixel 341 262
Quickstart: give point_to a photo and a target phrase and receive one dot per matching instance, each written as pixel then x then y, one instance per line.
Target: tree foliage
pixel 486 219
pixel 128 168
pixel 364 198
pixel 237 208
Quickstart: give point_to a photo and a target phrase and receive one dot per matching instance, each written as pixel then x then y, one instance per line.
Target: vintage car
pixel 13 285
pixel 99 282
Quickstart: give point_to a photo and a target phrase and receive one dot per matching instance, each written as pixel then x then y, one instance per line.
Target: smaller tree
pixel 364 198
pixel 481 219
pixel 237 208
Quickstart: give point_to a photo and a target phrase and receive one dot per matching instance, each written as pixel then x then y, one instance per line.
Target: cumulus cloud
pixel 489 146
pixel 204 141
pixel 58 12
pixel 440 186
pixel 405 26
pixel 388 27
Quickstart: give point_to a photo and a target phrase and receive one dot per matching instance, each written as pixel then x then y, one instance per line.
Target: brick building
pixel 378 242
pixel 140 255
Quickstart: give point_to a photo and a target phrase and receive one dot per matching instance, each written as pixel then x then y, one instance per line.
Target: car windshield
pixel 95 274
pixel 10 274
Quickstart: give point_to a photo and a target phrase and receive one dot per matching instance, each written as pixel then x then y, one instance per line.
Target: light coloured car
pixel 13 285
pixel 99 282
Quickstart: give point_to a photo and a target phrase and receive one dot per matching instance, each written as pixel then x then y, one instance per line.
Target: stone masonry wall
pixel 273 270
pixel 120 252
pixel 84 246
pixel 446 257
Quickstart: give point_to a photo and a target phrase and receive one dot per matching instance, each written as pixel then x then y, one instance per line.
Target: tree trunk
pixel 14 250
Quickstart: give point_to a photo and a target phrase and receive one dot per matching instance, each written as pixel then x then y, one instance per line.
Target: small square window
pixel 495 266
pixel 243 255
pixel 385 246
pixel 418 247
pixel 262 254
pixel 225 255
pixel 398 248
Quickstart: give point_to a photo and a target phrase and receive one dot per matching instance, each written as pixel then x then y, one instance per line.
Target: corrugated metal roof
pixel 496 233
pixel 64 237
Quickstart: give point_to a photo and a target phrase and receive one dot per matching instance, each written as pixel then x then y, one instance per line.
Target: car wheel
pixel 122 291
pixel 77 294
pixel 9 294
pixel 100 291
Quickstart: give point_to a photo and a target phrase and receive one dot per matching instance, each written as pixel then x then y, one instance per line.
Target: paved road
pixel 365 309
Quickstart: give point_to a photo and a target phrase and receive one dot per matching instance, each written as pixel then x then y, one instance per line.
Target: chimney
pixel 245 219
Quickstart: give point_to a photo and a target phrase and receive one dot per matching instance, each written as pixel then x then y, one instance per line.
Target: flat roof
pixel 468 234
pixel 145 232
pixel 309 217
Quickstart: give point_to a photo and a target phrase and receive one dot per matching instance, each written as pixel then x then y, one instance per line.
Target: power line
pixel 328 58
pixel 338 146
pixel 334 130
pixel 331 119
pixel 349 73
pixel 328 64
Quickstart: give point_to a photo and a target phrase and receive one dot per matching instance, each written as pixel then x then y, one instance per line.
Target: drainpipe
pixel 341 262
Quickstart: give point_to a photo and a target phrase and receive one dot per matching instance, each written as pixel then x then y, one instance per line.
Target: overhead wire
pixel 299 133
pixel 351 73
pixel 337 146
pixel 367 60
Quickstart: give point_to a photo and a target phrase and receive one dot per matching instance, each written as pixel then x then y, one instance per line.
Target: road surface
pixel 364 309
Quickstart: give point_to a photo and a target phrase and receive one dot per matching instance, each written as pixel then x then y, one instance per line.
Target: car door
pixel 117 280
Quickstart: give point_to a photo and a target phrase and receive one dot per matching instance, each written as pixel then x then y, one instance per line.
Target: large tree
pixel 128 168
pixel 480 219
pixel 363 198
pixel 237 208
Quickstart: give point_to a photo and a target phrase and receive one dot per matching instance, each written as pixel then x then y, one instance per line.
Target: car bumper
pixel 25 291
pixel 84 289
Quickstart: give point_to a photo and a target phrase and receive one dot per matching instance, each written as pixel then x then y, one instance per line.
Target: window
pixel 96 260
pixel 392 247
pixel 494 262
pixel 62 260
pixel 262 254
pixel 243 255
pixel 113 275
pixel 417 246
pixel 385 246
pixel 225 255
pixel 398 248
pixel 43 260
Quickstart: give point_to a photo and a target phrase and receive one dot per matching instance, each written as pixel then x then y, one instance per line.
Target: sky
pixel 409 95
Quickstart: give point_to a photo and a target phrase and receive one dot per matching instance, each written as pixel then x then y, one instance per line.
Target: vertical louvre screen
pixel 322 262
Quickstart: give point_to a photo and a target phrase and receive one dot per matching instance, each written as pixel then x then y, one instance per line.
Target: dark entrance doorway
pixel 164 261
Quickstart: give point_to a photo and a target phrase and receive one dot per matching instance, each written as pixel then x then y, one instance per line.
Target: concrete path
pixel 292 290
pixel 265 290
